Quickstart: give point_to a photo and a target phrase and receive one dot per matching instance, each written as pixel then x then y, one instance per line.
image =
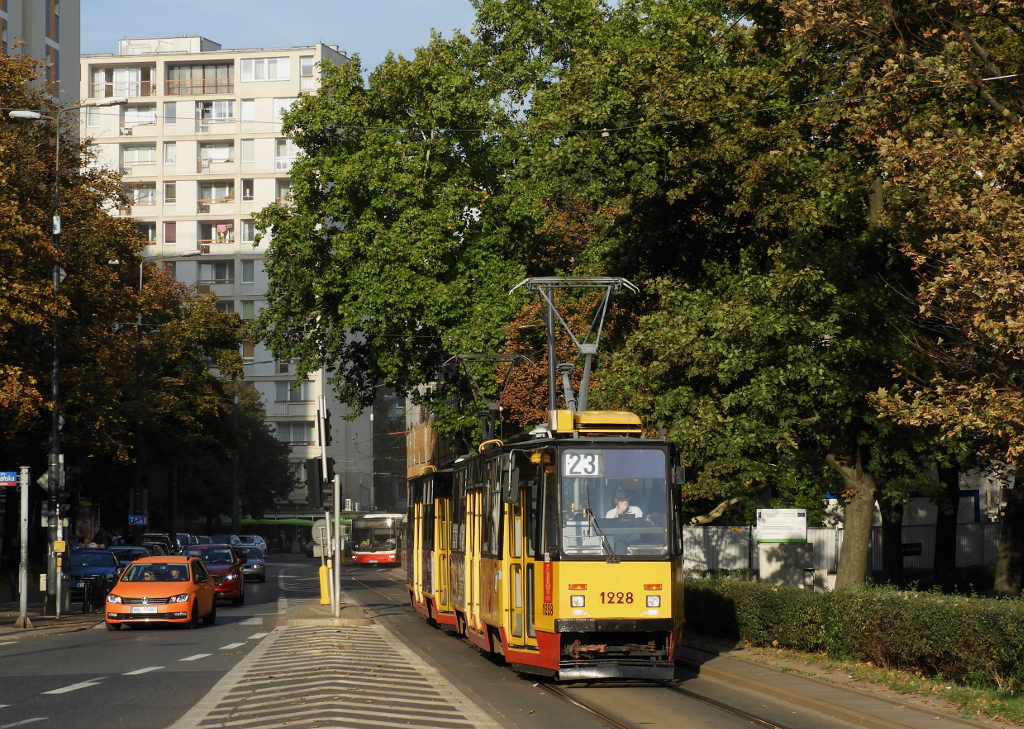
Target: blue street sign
pixel 8 478
pixel 137 521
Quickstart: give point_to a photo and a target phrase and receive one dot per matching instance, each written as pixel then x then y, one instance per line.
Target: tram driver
pixel 623 507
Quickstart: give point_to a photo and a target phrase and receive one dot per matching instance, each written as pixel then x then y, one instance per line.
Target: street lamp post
pixel 55 470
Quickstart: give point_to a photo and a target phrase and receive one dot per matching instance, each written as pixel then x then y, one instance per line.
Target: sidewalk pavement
pixel 41 624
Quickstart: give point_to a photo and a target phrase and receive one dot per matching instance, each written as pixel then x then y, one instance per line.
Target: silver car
pixel 255 567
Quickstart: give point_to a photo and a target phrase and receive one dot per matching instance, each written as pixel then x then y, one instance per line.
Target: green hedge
pixel 972 640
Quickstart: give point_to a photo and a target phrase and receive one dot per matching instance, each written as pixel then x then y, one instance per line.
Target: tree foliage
pixel 819 201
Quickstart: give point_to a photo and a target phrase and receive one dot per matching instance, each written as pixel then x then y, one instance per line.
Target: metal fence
pixel 735 547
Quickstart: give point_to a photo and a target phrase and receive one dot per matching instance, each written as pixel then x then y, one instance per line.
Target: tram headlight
pixel 654 601
pixel 577 601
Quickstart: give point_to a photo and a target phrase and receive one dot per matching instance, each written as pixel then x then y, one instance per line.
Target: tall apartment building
pixel 48 30
pixel 200 147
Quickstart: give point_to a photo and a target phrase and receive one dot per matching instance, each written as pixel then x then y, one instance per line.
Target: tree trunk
pixel 945 530
pixel 892 542
pixel 1011 544
pixel 859 488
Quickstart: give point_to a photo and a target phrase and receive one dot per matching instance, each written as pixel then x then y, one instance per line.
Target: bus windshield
pixel 614 501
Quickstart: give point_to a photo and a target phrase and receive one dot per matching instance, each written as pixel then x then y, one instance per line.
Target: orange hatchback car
pixel 162 589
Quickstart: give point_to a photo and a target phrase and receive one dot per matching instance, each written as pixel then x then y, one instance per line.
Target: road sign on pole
pixel 139 520
pixel 8 478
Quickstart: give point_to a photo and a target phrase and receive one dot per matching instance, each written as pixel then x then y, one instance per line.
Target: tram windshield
pixel 614 502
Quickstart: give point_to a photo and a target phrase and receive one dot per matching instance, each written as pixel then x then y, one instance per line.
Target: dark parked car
pixel 128 553
pixel 231 539
pixel 225 564
pixel 91 573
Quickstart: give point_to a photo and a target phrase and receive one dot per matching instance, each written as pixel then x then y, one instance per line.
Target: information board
pixel 778 526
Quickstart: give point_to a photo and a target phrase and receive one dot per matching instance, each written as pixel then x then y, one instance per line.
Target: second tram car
pixel 560 551
pixel 376 538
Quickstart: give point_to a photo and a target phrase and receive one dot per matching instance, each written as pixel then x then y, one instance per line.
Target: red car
pixel 225 564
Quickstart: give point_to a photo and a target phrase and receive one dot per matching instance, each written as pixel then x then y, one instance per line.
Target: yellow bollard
pixel 325 586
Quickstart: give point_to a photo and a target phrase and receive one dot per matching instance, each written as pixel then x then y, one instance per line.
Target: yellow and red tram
pixel 560 551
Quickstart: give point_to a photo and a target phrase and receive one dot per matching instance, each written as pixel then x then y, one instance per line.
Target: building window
pixel 248 150
pixel 92 116
pixel 248 268
pixel 248 351
pixel 137 154
pixel 248 236
pixel 295 433
pixel 283 106
pixel 306 68
pixel 217 272
pixel 143 193
pixel 135 115
pixel 305 392
pixel 170 153
pixel 284 191
pixel 284 154
pixel 170 233
pixel 170 193
pixel 112 82
pixel 248 109
pixel 265 69
pixel 248 190
pixel 217 232
pixel 147 231
pixel 226 305
pixel 282 366
pixel 221 191
pixel 248 309
pixel 199 79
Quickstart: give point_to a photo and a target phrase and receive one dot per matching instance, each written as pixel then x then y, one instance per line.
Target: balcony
pixel 199 86
pixel 283 164
pixel 214 165
pixel 204 206
pixel 127 129
pixel 117 89
pixel 140 169
pixel 224 127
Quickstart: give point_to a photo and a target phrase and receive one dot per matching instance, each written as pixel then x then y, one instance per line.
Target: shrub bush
pixel 965 639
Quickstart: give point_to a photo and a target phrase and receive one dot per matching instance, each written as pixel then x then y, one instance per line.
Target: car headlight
pixel 232 576
pixel 183 597
pixel 577 601
pixel 653 601
pixel 116 599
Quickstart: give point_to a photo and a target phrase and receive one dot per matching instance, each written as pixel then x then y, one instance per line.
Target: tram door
pixel 474 508
pixel 519 630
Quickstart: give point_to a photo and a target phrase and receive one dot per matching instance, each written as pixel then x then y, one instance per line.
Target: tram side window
pixel 551 519
pixel 459 512
pixel 428 526
pixel 491 546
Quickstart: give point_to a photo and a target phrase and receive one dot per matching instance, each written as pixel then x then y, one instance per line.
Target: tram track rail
pixel 562 693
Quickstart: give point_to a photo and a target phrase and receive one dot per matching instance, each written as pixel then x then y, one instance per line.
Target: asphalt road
pixel 137 678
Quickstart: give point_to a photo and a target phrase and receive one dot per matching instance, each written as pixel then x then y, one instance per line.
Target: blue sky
pixel 369 28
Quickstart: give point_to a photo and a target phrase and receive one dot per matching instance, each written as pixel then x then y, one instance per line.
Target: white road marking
pixel 231 646
pixel 282 605
pixel 9 642
pixel 76 686
pixel 196 657
pixel 23 721
pixel 142 670
pixel 257 636
pixel 252 621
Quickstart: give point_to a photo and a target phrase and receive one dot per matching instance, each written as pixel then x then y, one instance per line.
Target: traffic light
pixel 314 483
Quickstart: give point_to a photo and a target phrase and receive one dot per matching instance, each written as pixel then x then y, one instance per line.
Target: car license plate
pixel 144 610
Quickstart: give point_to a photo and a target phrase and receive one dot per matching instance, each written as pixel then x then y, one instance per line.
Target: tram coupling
pixel 576 649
